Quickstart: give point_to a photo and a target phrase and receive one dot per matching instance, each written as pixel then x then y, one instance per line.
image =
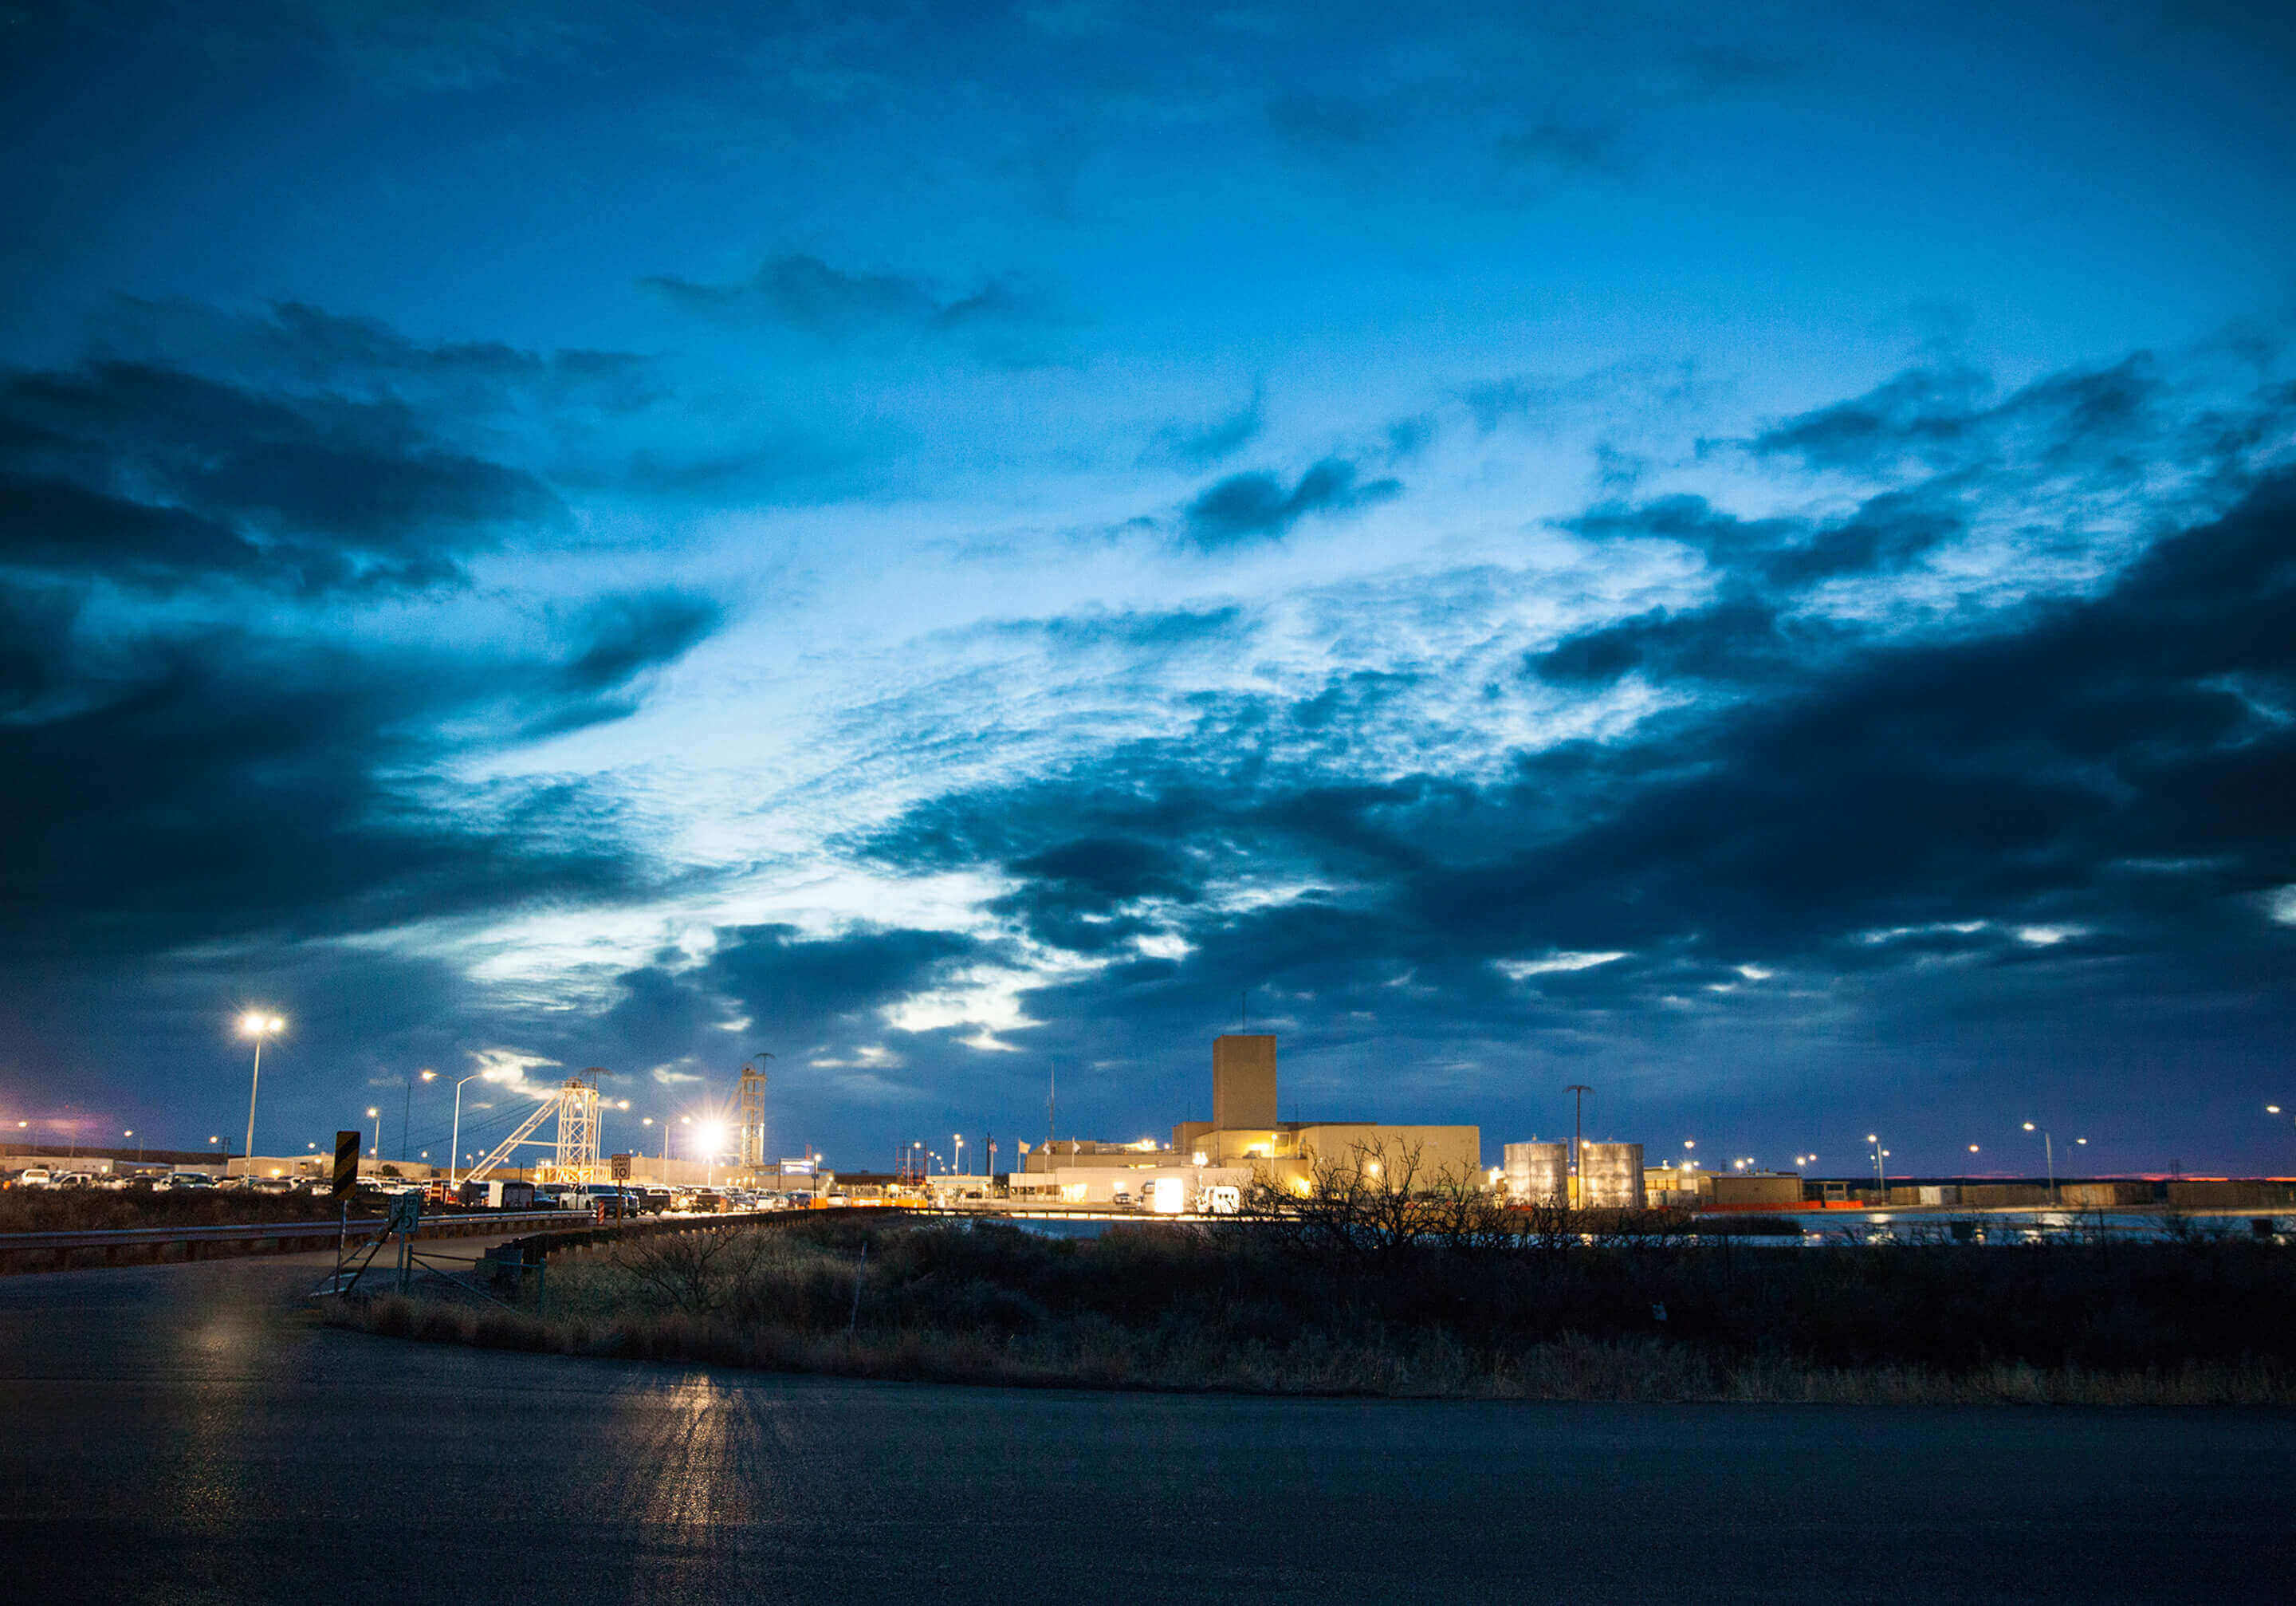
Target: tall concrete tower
pixel 1244 1083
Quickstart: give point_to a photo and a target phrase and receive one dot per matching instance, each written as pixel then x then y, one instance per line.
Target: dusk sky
pixel 1744 557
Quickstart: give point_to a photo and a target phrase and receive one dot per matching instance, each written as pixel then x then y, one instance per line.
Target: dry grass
pixel 1585 1370
pixel 1226 1313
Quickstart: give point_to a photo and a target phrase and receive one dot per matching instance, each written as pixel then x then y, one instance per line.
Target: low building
pixel 1744 1188
pixel 1679 1187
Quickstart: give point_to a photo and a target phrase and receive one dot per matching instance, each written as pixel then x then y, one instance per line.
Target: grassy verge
pixel 2203 1323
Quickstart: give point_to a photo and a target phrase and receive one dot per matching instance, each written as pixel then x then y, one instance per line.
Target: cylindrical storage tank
pixel 1537 1173
pixel 1611 1176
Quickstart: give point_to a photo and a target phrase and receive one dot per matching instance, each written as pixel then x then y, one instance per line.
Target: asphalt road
pixel 184 1434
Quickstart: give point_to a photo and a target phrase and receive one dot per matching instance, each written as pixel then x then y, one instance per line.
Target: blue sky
pixel 1744 559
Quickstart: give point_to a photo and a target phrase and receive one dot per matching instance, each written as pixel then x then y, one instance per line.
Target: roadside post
pixel 346 1177
pixel 405 1218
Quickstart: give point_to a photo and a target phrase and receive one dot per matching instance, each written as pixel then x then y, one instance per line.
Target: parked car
pixel 190 1179
pixel 34 1177
pixel 74 1179
pixel 271 1184
pixel 657 1197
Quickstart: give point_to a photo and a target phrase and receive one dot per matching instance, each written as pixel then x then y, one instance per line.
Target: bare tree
pixel 697 1272
pixel 1380 1200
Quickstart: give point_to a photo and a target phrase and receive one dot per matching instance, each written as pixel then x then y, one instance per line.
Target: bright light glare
pixel 712 1134
pixel 2029 1126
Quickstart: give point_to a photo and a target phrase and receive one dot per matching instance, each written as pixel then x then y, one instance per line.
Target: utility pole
pixel 1052 1097
pixel 1577 1092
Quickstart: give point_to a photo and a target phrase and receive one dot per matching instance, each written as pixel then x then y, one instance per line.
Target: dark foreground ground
pixel 184 1434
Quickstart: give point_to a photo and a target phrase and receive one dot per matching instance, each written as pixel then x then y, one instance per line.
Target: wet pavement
pixel 187 1434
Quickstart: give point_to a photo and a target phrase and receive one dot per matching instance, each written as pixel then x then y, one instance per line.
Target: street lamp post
pixel 603 1106
pixel 455 1150
pixel 259 1025
pixel 1881 1165
pixel 960 1152
pixel 375 1115
pixel 407 1112
pixel 2049 1154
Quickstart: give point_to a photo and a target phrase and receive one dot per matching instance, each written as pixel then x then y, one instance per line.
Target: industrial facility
pixel 1208 1162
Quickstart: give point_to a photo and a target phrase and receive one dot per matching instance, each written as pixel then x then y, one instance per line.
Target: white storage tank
pixel 1537 1173
pixel 1611 1176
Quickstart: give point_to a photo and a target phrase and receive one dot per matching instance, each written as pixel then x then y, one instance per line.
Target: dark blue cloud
pixel 157 474
pixel 1256 506
pixel 997 320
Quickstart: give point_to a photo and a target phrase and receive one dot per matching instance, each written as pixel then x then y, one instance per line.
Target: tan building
pixel 1756 1188
pixel 1244 1143
pixel 1244 1132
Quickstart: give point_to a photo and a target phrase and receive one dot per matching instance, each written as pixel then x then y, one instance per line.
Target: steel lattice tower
pixel 577 1133
pixel 753 1121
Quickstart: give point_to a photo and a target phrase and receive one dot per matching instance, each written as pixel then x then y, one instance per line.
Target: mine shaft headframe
pixel 753 1115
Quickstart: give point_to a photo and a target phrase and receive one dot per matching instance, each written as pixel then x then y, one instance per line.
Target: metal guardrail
pixel 123 1238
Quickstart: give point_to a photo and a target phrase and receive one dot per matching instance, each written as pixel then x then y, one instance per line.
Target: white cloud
pixel 1518 970
pixel 508 1069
